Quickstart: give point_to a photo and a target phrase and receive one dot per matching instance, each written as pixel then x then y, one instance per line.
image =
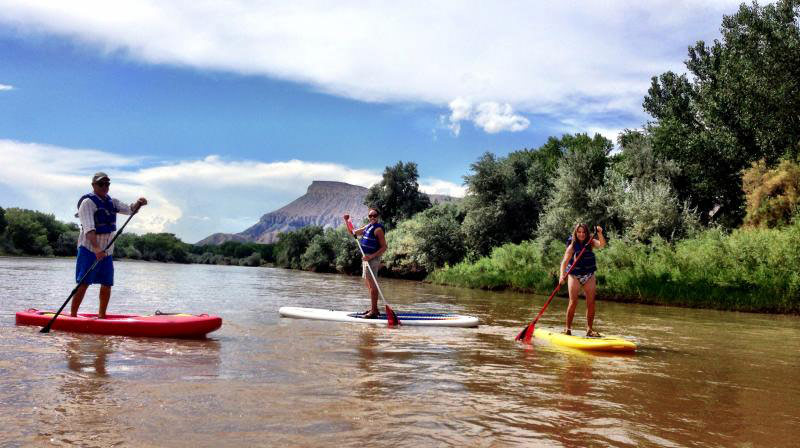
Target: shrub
pixel 773 195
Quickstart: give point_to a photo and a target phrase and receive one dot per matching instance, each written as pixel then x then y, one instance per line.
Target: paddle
pixel 527 333
pixel 46 328
pixel 391 317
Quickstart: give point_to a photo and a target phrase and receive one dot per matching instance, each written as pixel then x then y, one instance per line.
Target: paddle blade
pixel 391 317
pixel 526 334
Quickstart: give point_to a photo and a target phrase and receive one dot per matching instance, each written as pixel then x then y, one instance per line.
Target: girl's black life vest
pixel 587 264
pixel 369 242
pixel 105 217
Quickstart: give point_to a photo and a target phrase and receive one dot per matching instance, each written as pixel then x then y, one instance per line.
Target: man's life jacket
pixel 105 217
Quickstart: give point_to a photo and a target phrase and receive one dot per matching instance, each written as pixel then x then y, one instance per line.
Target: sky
pixel 220 111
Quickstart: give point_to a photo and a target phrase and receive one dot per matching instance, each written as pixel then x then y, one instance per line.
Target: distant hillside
pixel 323 205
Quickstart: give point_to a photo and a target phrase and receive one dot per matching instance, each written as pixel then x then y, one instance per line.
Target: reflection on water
pixel 698 380
pixel 88 356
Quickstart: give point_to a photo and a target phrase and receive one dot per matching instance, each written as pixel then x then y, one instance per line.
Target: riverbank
pixel 753 270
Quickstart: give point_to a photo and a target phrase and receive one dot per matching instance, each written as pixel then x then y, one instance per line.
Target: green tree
pixel 641 201
pixel 320 256
pixel 164 247
pixel 579 194
pixel 429 240
pixel 292 245
pixel 506 196
pixel 3 222
pixel 397 196
pixel 26 233
pixel 740 106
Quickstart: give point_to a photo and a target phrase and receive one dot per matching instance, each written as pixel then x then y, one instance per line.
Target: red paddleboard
pixel 156 326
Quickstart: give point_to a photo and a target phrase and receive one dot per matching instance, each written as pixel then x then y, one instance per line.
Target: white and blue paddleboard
pixel 410 319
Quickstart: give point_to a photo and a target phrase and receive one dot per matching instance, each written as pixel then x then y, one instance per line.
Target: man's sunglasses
pixel 104 183
pixel 373 215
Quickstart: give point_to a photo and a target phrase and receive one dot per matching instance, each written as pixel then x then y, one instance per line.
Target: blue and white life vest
pixel 369 242
pixel 105 217
pixel 587 264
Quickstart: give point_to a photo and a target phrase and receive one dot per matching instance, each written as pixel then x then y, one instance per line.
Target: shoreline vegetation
pixel 701 205
pixel 751 270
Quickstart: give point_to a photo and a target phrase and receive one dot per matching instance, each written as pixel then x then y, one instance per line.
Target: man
pixel 98 215
pixel 373 243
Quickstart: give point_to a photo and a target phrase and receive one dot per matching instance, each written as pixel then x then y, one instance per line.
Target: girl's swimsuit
pixel 583 278
pixel 586 266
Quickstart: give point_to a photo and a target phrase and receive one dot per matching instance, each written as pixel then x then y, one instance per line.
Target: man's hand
pixel 138 204
pixel 99 253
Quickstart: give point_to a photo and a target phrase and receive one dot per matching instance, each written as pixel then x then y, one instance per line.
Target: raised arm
pixel 599 240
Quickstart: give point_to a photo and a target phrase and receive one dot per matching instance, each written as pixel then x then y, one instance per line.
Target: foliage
pixel 35 233
pixel 773 195
pixel 164 247
pixel 397 196
pixel 747 270
pixel 579 187
pixel 641 202
pixel 530 266
pixel 512 189
pixel 430 239
pixel 3 222
pixel 292 245
pixel 348 256
pixel 740 106
pixel 320 255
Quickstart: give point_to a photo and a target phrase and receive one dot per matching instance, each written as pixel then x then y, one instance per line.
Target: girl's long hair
pixel 586 232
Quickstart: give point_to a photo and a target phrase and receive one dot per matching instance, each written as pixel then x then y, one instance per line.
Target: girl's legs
pixel 589 289
pixel 573 285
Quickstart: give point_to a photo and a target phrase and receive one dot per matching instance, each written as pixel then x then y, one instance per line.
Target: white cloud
pixel 435 186
pixel 6 87
pixel 489 116
pixel 528 57
pixel 191 198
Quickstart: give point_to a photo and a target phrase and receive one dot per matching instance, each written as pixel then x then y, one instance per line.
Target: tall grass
pixel 747 270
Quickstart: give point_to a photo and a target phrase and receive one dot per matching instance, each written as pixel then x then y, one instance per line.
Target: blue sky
pixel 219 112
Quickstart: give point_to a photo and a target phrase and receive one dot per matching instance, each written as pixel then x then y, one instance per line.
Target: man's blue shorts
pixel 103 273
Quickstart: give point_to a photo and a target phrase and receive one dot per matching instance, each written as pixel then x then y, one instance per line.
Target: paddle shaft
pixel 529 328
pixel 46 328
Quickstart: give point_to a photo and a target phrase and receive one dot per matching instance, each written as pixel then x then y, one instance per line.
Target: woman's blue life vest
pixel 587 264
pixel 369 242
pixel 105 217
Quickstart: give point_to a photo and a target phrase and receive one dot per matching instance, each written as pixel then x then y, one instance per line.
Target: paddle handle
pixel 46 328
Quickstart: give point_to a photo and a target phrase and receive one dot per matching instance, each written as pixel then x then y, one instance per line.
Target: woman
pixel 373 243
pixel 582 275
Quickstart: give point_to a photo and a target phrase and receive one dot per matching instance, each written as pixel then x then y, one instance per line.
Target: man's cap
pixel 98 176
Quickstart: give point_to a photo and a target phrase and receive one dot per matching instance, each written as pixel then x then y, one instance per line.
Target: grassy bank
pixel 747 270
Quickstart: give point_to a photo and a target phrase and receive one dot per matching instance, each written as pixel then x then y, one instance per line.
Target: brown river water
pixel 700 378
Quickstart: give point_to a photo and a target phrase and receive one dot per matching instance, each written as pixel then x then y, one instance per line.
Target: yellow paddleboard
pixel 603 343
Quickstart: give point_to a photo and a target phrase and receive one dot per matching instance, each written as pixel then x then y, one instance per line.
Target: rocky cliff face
pixel 323 205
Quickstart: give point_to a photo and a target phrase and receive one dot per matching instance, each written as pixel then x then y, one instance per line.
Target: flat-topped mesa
pixel 323 205
pixel 327 187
